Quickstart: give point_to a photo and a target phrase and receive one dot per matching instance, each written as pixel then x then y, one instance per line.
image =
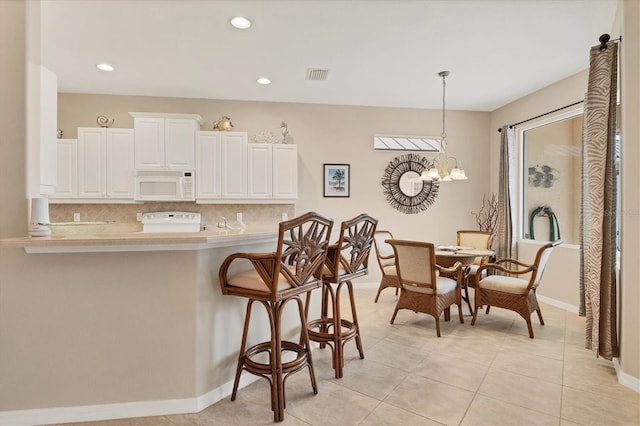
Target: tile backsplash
pixel 125 214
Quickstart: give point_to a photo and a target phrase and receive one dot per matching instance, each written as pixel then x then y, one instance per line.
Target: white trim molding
pixel 87 413
pixel 625 379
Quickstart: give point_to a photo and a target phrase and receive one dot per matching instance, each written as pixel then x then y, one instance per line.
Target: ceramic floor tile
pixel 332 405
pixel 588 408
pixel 437 401
pixel 541 347
pixel 473 347
pixel 596 376
pixel 530 365
pixel 394 355
pixel 388 415
pixel 371 378
pixel 549 331
pixel 444 368
pixel 565 422
pixel 524 391
pixel 136 421
pixel 491 412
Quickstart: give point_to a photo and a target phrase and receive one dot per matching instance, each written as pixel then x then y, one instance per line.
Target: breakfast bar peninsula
pixel 120 324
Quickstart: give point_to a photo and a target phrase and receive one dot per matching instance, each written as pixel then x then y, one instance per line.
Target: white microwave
pixel 164 185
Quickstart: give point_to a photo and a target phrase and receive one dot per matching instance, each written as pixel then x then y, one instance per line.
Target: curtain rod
pixel 603 39
pixel 542 115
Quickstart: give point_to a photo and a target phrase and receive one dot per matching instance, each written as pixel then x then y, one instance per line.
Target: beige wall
pixel 630 148
pixel 333 134
pixel 13 72
pixel 568 91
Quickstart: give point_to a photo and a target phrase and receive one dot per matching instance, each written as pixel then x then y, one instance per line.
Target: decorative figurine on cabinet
pixel 223 124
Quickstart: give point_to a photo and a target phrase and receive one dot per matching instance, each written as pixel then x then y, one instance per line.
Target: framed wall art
pixel 336 180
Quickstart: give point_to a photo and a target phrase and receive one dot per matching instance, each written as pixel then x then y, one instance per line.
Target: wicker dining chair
pixel 386 262
pixel 509 291
pixel 347 260
pixel 476 240
pixel 424 287
pixel 276 279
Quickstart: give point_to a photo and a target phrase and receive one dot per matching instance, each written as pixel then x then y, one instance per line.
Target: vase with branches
pixel 487 216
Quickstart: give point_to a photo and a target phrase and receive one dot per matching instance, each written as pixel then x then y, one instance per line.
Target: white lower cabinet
pixel 99 165
pixel 230 168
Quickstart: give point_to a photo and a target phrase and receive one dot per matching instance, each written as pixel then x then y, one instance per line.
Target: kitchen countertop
pixel 110 241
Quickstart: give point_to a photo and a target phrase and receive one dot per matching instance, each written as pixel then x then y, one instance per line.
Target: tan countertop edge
pixel 138 241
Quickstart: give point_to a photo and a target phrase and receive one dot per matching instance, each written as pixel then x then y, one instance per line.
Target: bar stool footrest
pixel 348 330
pixel 262 369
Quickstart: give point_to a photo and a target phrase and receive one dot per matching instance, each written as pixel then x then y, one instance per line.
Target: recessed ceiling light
pixel 263 80
pixel 105 67
pixel 240 22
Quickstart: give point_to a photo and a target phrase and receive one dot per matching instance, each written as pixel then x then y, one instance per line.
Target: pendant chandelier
pixel 440 170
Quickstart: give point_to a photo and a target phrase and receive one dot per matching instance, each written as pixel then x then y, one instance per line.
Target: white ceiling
pixel 378 52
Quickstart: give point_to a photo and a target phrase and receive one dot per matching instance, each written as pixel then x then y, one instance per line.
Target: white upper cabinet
pixel 260 170
pixel 230 168
pixel 165 141
pixel 221 165
pixel 98 165
pixel 92 175
pixel 67 170
pixel 119 163
pixel 272 171
pixel 208 172
pixel 233 165
pixel 285 171
pixel 149 143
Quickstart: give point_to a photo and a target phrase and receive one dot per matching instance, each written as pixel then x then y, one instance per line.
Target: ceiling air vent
pixel 317 74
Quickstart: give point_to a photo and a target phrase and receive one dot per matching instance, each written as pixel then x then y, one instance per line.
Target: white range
pixel 171 222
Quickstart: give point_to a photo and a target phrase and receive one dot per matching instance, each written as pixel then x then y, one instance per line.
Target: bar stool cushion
pixel 251 280
pixel 505 284
pixel 444 285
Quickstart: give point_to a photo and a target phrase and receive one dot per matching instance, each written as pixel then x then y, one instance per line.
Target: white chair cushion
pixel 444 285
pixel 388 262
pixel 390 270
pixel 505 284
pixel 251 280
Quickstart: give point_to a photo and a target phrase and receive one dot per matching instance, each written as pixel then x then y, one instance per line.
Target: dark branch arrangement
pixel 488 214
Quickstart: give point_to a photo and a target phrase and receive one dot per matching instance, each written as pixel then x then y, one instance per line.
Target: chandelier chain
pixel 444 133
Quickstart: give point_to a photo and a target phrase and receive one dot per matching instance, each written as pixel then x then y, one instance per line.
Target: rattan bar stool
pixel 347 259
pixel 276 279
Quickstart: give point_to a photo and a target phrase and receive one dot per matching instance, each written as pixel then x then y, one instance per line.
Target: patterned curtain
pixel 504 241
pixel 598 225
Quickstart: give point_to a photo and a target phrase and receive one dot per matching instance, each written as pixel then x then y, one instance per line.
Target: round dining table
pixel 448 257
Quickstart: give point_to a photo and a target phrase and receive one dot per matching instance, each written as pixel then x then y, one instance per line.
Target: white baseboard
pixel 558 304
pixel 625 379
pixel 121 410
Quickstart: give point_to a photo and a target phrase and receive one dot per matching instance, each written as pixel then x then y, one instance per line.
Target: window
pixel 551 179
